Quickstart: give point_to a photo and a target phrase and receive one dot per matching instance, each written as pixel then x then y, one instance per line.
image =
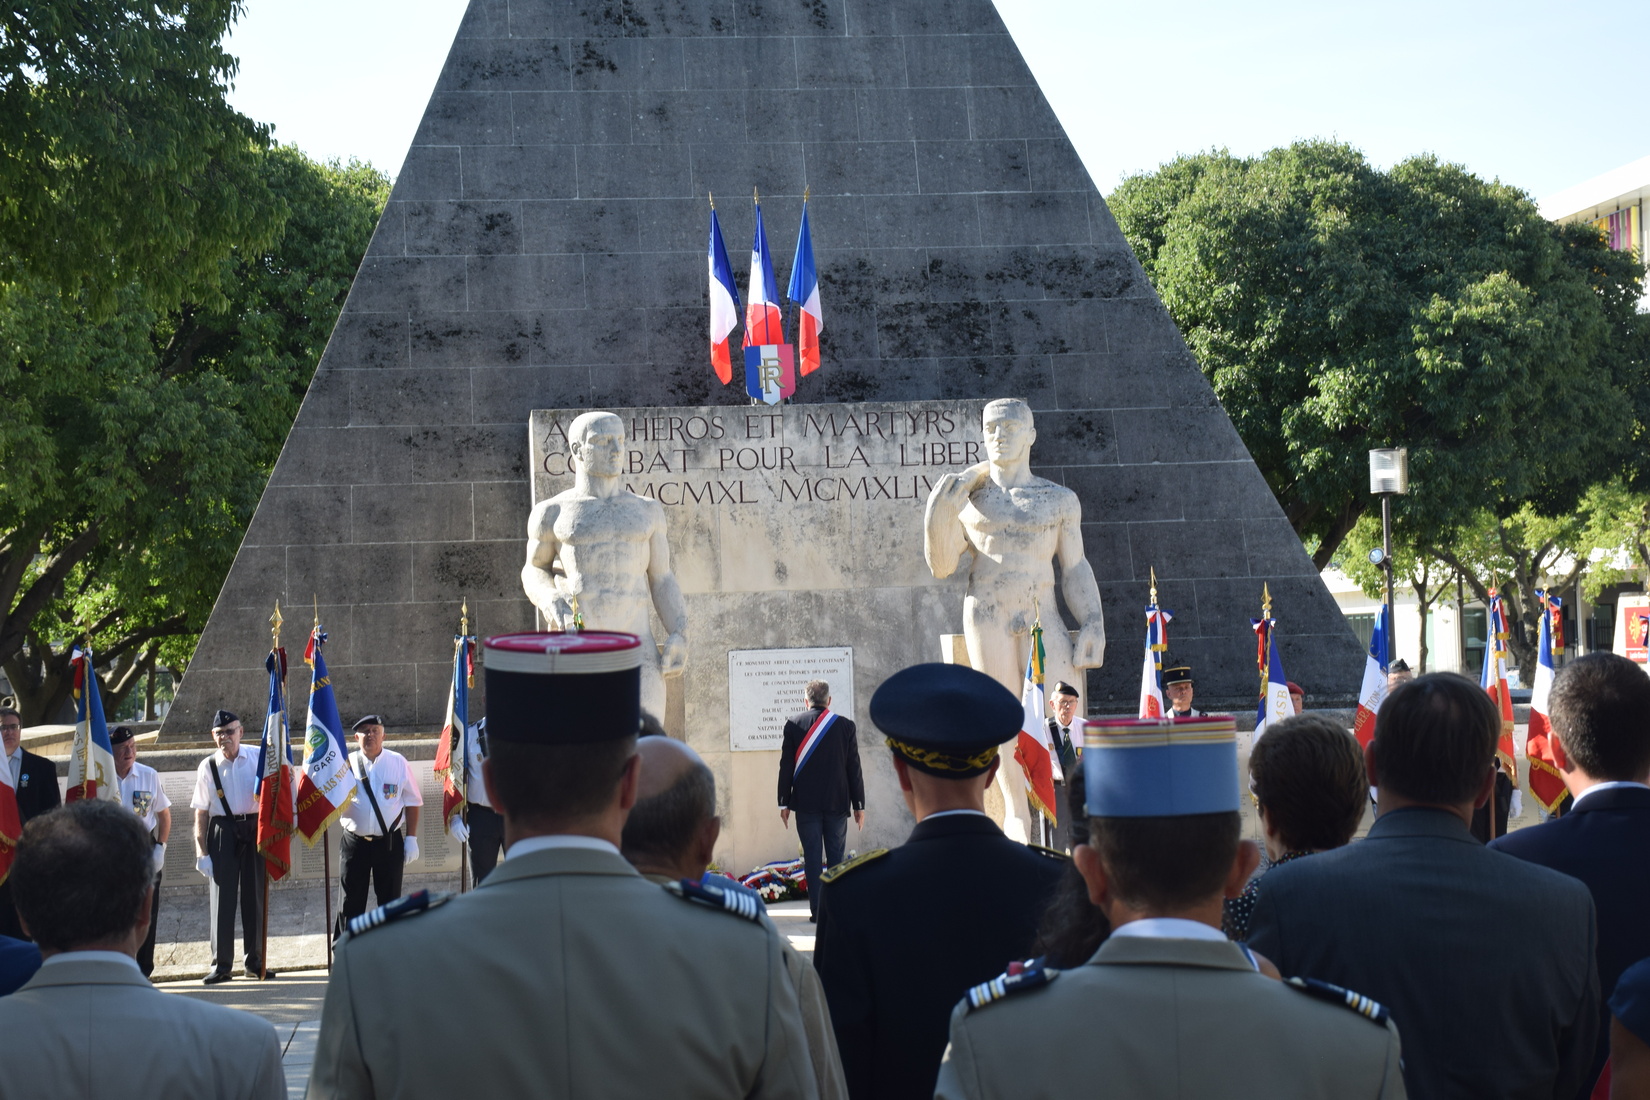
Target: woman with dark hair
pixel 1307 774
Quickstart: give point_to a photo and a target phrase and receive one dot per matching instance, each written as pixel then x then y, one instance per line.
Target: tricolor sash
pixel 816 734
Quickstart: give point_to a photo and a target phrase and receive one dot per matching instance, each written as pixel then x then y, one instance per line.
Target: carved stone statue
pixel 1016 524
pixel 598 552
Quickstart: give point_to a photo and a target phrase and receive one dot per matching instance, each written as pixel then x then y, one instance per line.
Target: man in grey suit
pixel 565 972
pixel 89 1023
pixel 1485 961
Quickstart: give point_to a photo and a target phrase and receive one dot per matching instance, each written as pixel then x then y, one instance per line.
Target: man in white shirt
pixel 226 848
pixel 380 823
pixel 140 792
pixel 481 826
pixel 88 1023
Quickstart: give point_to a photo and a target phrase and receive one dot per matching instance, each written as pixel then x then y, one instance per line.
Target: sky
pixel 1530 93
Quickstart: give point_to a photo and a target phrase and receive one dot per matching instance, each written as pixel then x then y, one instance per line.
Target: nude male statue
pixel 605 546
pixel 1016 524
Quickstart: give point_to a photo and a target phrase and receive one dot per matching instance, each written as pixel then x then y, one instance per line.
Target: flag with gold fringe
pixel 1493 679
pixel 92 759
pixel 327 783
pixel 1151 672
pixel 1033 749
pixel 277 807
pixel 1541 748
pixel 452 750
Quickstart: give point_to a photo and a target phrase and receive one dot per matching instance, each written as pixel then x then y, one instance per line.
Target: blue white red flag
pixel 1274 704
pixel 1151 673
pixel 452 750
pixel 764 323
pixel 810 741
pixel 804 291
pixel 277 806
pixel 92 760
pixel 1373 692
pixel 327 783
pixel 1541 748
pixel 724 303
pixel 1493 680
pixel 1034 749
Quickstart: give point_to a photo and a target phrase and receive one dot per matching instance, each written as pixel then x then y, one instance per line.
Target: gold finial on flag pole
pixel 712 199
pixel 1265 600
pixel 317 601
pixel 756 197
pixel 1154 585
pixel 464 617
pixel 275 627
pixel 806 191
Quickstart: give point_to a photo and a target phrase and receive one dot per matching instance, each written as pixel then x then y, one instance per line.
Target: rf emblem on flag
pixel 770 372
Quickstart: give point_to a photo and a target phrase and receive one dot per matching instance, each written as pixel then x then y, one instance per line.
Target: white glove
pixel 203 864
pixel 1517 808
pixel 160 857
pixel 411 849
pixel 458 830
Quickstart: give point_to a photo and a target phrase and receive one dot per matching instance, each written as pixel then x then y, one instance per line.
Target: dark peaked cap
pixel 946 720
pixel 223 718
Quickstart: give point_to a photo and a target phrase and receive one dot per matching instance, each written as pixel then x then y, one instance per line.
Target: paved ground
pixel 292 1001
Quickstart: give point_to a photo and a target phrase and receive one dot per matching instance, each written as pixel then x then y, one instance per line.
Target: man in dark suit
pixel 904 933
pixel 1485 961
pixel 819 781
pixel 1600 712
pixel 34 778
pixel 1065 731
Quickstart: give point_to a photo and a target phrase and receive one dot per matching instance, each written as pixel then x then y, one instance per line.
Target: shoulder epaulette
pixel 1017 979
pixel 1356 1002
pixel 399 909
pixel 858 861
pixel 1052 853
pixel 737 902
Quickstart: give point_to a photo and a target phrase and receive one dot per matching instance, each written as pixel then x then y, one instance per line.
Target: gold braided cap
pixel 944 763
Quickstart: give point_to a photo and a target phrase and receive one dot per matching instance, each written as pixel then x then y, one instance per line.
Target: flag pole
pixel 263 949
pixel 464 745
pixel 326 834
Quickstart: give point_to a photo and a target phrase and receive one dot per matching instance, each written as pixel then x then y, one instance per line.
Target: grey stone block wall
pixel 544 247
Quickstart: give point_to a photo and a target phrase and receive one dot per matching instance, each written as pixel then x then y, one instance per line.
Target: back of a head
pixel 1435 739
pixel 550 786
pixel 1600 709
pixel 80 874
pixel 662 825
pixel 1165 865
pixel 1308 775
pixel 817 693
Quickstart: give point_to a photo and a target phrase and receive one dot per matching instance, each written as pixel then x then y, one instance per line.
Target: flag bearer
pixel 380 823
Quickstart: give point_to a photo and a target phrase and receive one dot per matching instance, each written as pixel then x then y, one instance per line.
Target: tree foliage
pixel 124 174
pixel 138 443
pixel 1336 308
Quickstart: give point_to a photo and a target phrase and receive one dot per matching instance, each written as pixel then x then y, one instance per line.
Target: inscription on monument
pixel 765 688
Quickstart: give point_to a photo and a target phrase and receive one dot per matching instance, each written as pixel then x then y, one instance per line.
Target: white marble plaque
pixel 765 688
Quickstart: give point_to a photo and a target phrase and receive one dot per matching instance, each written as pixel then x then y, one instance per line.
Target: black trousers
pixel 368 858
pixel 486 841
pixel 237 878
pixel 146 953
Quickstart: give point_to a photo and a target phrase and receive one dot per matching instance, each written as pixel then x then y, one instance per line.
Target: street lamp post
pixel 1388 476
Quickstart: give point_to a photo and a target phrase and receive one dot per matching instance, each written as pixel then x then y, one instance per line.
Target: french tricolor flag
pixel 1373 692
pixel 804 290
pixel 724 303
pixel 764 323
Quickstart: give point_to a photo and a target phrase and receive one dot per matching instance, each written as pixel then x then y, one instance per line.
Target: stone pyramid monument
pixel 544 247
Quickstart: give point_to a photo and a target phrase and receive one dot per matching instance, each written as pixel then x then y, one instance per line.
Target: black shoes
pixel 215 977
pixel 253 974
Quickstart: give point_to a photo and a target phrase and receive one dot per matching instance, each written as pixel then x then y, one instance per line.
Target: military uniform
pixel 904 933
pixel 564 973
pixel 1149 1018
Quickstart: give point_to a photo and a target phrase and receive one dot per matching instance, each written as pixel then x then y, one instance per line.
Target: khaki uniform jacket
pixel 95 1029
pixel 564 974
pixel 816 1017
pixel 1153 1019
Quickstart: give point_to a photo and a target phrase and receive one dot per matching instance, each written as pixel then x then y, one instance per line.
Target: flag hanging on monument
pixel 1033 749
pixel 277 808
pixel 92 760
pixel 1494 680
pixel 1274 704
pixel 327 783
pixel 770 368
pixel 724 303
pixel 1151 673
pixel 1541 748
pixel 804 291
pixel 451 751
pixel 1373 692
